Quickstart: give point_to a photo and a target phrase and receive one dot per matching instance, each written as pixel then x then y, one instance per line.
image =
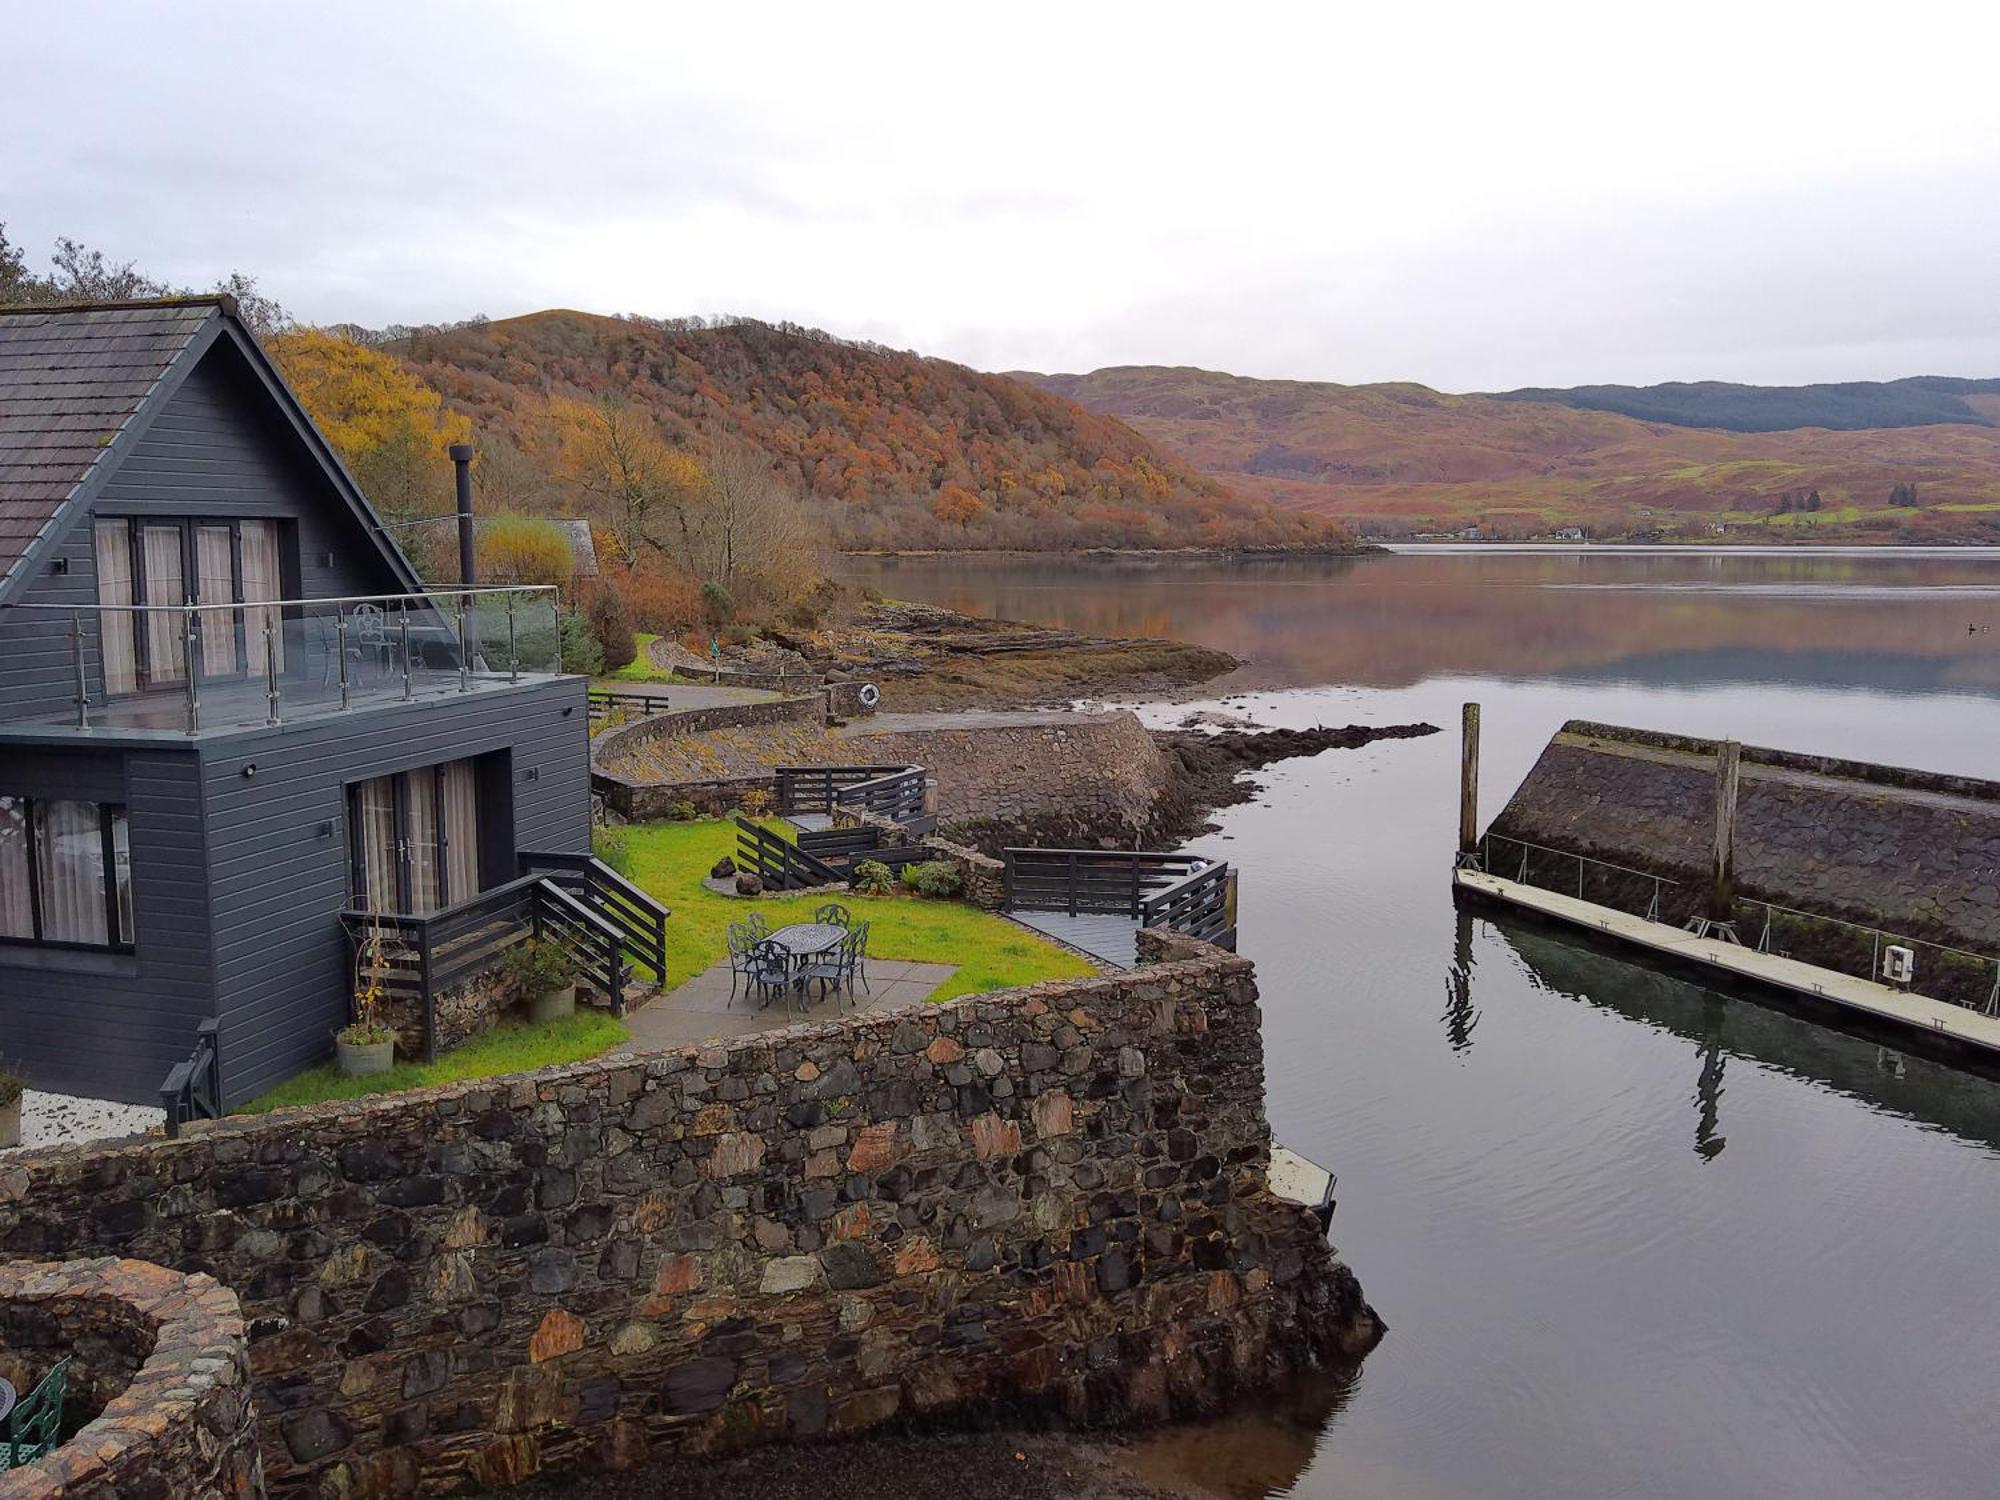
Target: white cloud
pixel 1470 195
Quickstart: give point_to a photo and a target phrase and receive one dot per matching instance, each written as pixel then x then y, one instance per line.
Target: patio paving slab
pixel 703 1009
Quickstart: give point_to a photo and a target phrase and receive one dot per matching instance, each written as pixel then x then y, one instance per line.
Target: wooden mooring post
pixel 1468 789
pixel 1720 918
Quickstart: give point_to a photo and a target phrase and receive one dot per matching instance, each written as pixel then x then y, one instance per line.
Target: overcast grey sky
pixel 1473 196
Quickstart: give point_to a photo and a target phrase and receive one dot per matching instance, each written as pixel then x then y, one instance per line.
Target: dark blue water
pixel 1632 1237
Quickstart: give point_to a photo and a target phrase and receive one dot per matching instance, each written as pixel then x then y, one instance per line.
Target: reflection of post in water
pixel 1459 1014
pixel 1708 1139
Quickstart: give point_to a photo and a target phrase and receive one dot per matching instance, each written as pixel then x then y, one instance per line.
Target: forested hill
pixel 895 449
pixel 1393 459
pixel 1846 406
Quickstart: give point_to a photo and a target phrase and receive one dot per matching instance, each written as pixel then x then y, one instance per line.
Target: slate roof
pixel 71 378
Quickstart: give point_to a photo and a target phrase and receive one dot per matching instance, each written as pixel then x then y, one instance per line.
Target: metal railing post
pixel 513 655
pixel 82 681
pixel 464 650
pixel 340 644
pixel 555 613
pixel 188 666
pixel 270 671
pixel 403 624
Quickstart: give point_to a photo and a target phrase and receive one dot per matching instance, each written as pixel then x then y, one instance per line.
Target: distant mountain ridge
pixel 1394 459
pixel 1844 406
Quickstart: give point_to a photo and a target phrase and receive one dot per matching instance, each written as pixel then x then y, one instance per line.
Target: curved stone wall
pixel 159 1367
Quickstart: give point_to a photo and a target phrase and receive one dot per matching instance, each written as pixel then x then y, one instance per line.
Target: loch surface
pixel 1632 1237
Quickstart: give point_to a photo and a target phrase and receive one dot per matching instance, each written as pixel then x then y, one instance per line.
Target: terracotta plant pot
pixel 553 1005
pixel 359 1059
pixel 10 1123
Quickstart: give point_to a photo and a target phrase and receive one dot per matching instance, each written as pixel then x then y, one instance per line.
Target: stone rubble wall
pixel 1045 1200
pixel 1913 852
pixel 160 1356
pixel 983 879
pixel 1076 779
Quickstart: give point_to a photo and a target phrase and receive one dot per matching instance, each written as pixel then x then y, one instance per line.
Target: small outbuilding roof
pixel 582 550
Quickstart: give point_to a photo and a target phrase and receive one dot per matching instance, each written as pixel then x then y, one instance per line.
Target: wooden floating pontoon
pixel 1919 1016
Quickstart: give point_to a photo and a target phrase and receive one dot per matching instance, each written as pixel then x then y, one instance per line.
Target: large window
pixel 414 838
pixel 65 873
pixel 153 562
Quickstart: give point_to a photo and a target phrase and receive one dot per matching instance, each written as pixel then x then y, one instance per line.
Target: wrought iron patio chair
pixel 35 1424
pixel 772 974
pixel 741 940
pixel 833 914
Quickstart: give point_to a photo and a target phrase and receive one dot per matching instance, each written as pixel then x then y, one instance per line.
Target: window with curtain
pixel 232 561
pixel 460 783
pixel 65 872
pixel 262 581
pixel 166 583
pixel 215 583
pixel 415 838
pixel 114 586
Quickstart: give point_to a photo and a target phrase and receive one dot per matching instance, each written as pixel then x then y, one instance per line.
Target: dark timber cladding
pixel 138 434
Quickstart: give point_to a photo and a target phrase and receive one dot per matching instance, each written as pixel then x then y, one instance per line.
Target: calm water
pixel 1632 1238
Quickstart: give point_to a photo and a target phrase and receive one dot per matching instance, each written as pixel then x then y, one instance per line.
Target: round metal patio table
pixel 805 940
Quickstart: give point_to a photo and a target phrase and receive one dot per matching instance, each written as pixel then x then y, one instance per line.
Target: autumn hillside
pixel 889 449
pixel 1391 459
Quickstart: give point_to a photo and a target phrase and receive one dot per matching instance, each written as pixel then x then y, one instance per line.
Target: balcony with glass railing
pixel 199 667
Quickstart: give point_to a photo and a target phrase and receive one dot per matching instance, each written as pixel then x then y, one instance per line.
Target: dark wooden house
pixel 236 730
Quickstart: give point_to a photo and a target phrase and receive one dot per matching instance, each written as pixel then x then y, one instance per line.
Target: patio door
pixel 415 838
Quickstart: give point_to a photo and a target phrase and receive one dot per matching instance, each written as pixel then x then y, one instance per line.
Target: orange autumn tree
pixel 957 506
pixel 389 427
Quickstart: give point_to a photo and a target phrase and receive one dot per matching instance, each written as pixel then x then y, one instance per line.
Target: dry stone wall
pixel 158 1364
pixel 1050 1199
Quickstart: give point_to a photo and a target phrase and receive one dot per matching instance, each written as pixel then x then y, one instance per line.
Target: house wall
pixel 278 848
pixel 215 449
pixel 114 1023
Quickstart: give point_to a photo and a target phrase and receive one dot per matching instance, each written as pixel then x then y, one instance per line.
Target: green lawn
pixel 670 859
pixel 641 668
pixel 514 1047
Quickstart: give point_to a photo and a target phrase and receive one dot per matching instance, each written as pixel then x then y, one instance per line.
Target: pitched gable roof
pixel 79 384
pixel 71 378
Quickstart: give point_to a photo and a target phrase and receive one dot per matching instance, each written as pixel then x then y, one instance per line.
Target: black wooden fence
pixel 1179 892
pixel 641 921
pixel 779 863
pixel 893 791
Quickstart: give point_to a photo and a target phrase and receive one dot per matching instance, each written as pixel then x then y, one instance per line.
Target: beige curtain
pixel 114 586
pixel 69 868
pixel 121 873
pixel 215 583
pixel 420 796
pixel 261 582
pixel 166 583
pixel 461 831
pixel 17 912
pixel 376 832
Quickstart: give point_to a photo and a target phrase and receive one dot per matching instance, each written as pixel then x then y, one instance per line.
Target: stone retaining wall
pixel 983 879
pixel 158 1360
pixel 1048 1199
pixel 1909 851
pixel 1077 779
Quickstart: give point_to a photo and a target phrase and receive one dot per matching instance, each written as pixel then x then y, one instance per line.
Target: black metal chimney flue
pixel 461 458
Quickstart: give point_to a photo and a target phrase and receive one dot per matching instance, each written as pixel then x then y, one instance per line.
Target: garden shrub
pixel 872 878
pixel 683 812
pixel 934 877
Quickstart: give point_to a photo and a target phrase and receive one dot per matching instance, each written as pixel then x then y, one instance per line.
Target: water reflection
pixel 1254 1450
pixel 1899 623
pixel 1722 1027
pixel 1460 1014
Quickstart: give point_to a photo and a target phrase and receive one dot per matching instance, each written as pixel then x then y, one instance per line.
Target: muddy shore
pixel 1212 765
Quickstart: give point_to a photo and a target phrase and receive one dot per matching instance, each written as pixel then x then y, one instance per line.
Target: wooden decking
pixel 1920 1015
pixel 1114 939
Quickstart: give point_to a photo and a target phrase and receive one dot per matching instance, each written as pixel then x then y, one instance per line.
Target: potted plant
pixel 367 1044
pixel 12 1084
pixel 540 975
